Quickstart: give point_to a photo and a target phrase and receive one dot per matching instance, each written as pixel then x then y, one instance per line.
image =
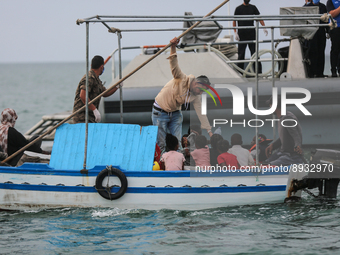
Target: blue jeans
pixel 284 159
pixel 167 123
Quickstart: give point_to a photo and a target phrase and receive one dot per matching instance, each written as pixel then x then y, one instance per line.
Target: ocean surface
pixel 33 90
pixel 307 227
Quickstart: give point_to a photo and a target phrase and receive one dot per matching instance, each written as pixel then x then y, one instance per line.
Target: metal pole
pixel 229 22
pixel 113 64
pixel 120 74
pixel 257 88
pixel 87 95
pixel 204 28
pixel 157 19
pixel 113 67
pixel 273 78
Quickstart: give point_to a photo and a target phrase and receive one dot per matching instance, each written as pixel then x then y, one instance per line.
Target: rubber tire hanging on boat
pixel 105 192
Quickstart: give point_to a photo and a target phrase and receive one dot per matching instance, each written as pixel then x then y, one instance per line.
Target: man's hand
pixel 298 150
pixel 265 32
pixel 269 150
pixel 97 115
pixel 174 41
pixel 210 134
pixel 193 131
pixel 237 38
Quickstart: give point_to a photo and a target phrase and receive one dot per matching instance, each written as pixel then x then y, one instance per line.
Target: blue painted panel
pixel 127 146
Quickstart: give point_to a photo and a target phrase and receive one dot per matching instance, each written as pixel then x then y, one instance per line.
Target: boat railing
pixel 45 124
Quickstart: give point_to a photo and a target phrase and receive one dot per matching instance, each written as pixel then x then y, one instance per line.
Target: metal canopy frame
pixel 104 19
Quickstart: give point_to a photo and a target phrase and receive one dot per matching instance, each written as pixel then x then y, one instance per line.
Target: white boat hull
pixel 38 186
pixel 24 200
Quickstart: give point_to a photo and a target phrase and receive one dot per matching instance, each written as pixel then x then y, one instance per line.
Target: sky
pixel 46 31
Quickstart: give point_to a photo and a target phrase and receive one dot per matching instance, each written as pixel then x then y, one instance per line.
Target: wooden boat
pixel 117 172
pixel 120 175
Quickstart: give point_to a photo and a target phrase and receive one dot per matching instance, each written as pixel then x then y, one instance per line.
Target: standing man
pixel 318 44
pixel 333 7
pixel 95 88
pixel 246 34
pixel 182 89
pixel 289 141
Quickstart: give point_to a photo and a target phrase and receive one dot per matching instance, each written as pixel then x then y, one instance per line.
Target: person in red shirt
pixel 226 159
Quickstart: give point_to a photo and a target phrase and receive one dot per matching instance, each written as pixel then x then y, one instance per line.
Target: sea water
pixel 307 227
pixel 33 90
pixel 38 89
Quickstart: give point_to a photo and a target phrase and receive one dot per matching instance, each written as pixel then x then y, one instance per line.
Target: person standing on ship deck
pixel 318 44
pixel 182 89
pixel 333 7
pixel 95 88
pixel 246 34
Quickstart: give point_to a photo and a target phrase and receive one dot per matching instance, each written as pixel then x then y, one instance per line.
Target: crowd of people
pixel 198 151
pixel 314 48
pixel 193 149
pixel 217 151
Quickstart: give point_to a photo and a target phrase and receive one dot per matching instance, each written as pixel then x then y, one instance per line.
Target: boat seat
pixel 131 147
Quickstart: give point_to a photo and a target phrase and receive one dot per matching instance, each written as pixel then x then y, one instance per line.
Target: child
pixel 213 150
pixel 225 158
pixel 243 155
pixel 193 131
pixel 201 155
pixel 172 160
pixel 186 150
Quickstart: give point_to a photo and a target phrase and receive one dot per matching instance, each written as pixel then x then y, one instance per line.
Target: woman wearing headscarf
pixel 11 140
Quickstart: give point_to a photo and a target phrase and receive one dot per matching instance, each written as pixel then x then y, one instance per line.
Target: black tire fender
pixel 105 192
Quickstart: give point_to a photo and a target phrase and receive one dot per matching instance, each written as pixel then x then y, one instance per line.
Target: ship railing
pixel 163 19
pixel 256 18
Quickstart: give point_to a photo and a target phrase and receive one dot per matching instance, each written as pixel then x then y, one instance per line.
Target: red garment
pixel 158 153
pixel 228 159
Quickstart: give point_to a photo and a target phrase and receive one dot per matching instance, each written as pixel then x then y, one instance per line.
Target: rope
pixel 310 193
pixel 250 67
pixel 226 50
pixel 107 187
